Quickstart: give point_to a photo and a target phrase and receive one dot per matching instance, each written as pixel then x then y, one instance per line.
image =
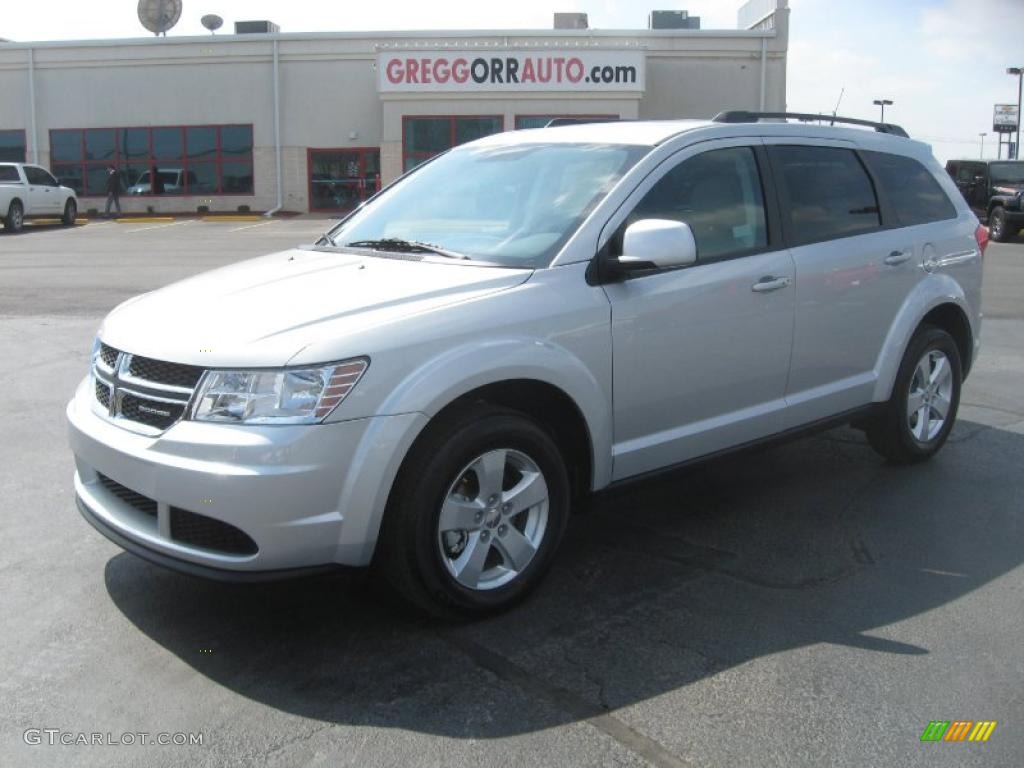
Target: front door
pixel 701 353
pixel 42 192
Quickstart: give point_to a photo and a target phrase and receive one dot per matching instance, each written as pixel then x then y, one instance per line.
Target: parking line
pixel 253 226
pixel 161 226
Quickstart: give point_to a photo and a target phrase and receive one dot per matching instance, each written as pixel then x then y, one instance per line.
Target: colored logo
pixel 958 730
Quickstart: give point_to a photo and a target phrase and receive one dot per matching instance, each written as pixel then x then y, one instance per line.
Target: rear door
pixel 701 353
pixel 851 275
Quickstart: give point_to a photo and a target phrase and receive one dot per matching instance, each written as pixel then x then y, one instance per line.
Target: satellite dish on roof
pixel 159 15
pixel 212 22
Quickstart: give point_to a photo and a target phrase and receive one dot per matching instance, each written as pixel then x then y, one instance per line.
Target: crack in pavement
pixel 566 701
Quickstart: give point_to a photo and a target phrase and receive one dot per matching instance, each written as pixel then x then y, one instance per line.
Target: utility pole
pixel 983 134
pixel 882 103
pixel 1019 72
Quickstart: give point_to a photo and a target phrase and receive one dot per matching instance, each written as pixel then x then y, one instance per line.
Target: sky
pixel 942 62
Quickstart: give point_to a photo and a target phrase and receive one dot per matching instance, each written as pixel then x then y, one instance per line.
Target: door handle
pixel 897 257
pixel 769 283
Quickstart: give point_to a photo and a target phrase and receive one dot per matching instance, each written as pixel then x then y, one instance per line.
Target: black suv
pixel 995 191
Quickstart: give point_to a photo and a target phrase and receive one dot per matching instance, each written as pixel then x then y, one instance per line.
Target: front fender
pixel 460 370
pixel 936 289
pixel 407 411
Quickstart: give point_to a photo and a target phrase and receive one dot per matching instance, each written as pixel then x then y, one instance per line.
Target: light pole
pixel 983 135
pixel 883 103
pixel 1019 72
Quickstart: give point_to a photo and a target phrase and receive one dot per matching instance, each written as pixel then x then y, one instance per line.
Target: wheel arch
pixel 938 301
pixel 546 404
pixel 542 380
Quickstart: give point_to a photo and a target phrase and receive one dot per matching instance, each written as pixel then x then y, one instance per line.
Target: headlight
pixel 283 396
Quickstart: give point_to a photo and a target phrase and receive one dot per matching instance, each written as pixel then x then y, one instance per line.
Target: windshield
pixel 1007 173
pixel 512 206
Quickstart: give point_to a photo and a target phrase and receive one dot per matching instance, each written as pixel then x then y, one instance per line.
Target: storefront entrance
pixel 340 179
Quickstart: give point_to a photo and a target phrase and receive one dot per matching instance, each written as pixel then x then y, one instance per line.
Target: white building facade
pixel 317 122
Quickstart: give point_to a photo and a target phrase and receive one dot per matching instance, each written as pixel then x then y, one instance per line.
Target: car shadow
pixel 657 585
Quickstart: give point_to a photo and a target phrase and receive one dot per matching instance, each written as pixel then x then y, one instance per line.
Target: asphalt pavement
pixel 805 605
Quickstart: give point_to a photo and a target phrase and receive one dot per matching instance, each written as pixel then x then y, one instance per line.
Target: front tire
pixel 914 424
pixel 70 213
pixel 15 217
pixel 997 226
pixel 477 512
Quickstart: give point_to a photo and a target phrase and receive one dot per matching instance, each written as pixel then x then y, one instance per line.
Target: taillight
pixel 981 235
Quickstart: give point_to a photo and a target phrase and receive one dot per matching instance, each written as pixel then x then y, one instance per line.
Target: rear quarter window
pixel 914 194
pixel 9 173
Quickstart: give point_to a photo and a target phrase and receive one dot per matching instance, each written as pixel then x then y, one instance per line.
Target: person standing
pixel 156 183
pixel 113 190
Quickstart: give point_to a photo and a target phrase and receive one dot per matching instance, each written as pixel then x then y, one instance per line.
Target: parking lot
pixel 804 605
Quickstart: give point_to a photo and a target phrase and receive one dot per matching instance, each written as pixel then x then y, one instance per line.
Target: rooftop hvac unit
pixel 571 21
pixel 256 27
pixel 672 20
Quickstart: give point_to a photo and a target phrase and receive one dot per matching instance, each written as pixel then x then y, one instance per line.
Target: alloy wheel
pixel 493 519
pixel 930 396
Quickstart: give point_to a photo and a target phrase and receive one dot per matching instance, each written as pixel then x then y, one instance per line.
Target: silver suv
pixel 521 321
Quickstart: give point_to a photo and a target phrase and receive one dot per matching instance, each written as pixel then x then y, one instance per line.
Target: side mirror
pixel 656 244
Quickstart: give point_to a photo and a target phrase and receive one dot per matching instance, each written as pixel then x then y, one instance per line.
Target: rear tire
pixel 997 226
pixel 15 217
pixel 914 424
pixel 477 512
pixel 70 213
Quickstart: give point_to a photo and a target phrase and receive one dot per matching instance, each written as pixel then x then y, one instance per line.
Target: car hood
pixel 262 312
pixel 1006 188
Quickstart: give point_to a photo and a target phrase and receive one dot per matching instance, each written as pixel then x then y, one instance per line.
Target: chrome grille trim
pixel 116 382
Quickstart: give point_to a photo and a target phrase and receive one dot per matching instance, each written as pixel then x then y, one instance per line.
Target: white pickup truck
pixel 28 191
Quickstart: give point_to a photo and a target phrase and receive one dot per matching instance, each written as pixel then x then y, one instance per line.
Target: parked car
pixel 30 192
pixel 523 320
pixel 173 179
pixel 995 191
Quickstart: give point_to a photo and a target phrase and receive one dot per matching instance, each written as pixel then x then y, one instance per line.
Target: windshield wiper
pixel 405 246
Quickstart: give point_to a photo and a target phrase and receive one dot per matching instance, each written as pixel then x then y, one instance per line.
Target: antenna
pixel 158 16
pixel 838 102
pixel 212 22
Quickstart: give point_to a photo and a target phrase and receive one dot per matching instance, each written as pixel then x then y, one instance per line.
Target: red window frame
pixel 407 155
pixel 550 117
pixel 24 143
pixel 364 190
pixel 151 160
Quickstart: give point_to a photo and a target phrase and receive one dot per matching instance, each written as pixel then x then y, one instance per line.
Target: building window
pixel 424 137
pixel 12 146
pixel 540 121
pixel 340 179
pixel 190 160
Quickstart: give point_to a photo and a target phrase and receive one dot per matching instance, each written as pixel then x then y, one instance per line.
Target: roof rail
pixel 559 121
pixel 742 116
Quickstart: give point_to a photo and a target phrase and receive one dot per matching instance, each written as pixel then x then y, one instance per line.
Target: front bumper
pixel 307 495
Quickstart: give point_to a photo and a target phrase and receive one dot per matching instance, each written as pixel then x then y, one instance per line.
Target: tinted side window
pixel 9 173
pixel 40 176
pixel 830 193
pixel 718 194
pixel 913 192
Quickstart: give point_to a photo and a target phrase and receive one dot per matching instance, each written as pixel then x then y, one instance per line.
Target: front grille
pixel 138 389
pixel 155 413
pixel 108 355
pixel 173 374
pixel 206 533
pixel 128 496
pixel 103 394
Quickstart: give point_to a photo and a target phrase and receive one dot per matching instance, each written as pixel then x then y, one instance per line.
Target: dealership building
pixel 318 121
